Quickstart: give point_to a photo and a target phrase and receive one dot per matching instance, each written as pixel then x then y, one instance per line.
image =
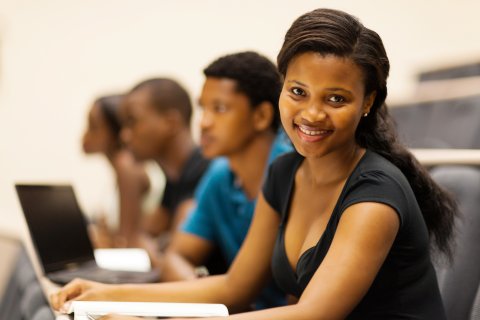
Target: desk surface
pixel 447 156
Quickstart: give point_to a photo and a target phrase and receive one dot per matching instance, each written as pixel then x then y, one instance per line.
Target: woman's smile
pixel 312 134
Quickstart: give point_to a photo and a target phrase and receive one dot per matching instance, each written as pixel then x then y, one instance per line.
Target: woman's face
pixel 98 137
pixel 322 102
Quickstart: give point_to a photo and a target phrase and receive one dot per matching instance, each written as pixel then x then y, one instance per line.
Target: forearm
pixel 131 191
pixel 128 232
pixel 157 222
pixel 213 289
pixel 176 268
pixel 130 215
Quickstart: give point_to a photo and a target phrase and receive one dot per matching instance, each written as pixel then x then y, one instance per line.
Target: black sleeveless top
pixel 406 285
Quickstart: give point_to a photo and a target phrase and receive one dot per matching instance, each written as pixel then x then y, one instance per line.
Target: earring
pixel 365 114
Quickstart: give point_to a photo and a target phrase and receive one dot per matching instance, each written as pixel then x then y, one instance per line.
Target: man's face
pixel 227 121
pixel 145 130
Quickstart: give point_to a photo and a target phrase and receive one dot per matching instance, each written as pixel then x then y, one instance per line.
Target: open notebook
pixel 87 310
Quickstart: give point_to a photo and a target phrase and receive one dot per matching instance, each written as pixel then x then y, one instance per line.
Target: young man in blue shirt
pixel 240 122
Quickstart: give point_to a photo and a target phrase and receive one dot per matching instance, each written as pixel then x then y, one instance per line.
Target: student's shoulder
pixel 374 165
pixel 196 165
pixel 218 172
pixel 376 179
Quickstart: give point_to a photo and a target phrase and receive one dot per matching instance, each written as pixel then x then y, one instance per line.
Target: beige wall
pixel 57 55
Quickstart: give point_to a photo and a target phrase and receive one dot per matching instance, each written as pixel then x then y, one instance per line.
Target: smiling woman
pixel 351 170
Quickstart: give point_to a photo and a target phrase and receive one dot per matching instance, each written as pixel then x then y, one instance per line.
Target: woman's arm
pixel 132 183
pixel 157 222
pixel 362 241
pixel 246 277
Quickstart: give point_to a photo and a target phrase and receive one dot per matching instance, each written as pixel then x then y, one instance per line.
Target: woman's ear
pixel 263 116
pixel 368 102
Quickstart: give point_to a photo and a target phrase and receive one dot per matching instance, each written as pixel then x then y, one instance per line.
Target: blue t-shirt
pixel 223 213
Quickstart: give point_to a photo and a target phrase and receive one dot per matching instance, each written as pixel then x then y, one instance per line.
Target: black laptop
pixel 59 234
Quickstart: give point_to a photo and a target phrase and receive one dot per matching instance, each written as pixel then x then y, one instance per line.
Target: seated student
pixel 102 135
pixel 157 127
pixel 343 223
pixel 240 121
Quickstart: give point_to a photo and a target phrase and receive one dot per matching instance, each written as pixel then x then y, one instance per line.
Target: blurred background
pixel 57 56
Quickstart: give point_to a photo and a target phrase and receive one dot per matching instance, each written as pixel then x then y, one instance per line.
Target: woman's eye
pixel 298 91
pixel 336 99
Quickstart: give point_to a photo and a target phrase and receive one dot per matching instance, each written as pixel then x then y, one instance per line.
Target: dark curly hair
pixel 332 32
pixel 168 94
pixel 256 76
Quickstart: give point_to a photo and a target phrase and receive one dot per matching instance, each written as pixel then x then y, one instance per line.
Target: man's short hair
pixel 167 94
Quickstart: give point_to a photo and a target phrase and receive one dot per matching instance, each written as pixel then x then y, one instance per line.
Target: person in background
pixel 345 223
pixel 134 187
pixel 157 127
pixel 239 122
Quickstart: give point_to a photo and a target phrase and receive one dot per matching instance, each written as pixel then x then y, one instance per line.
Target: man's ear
pixel 173 120
pixel 263 116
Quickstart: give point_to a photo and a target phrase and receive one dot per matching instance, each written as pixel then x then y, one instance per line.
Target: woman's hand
pixel 79 289
pixel 118 317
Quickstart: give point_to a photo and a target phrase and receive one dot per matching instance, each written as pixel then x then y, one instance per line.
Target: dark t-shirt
pixel 184 188
pixel 405 286
pixel 177 191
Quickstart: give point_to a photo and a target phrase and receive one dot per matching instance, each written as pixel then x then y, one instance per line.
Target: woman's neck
pixel 333 167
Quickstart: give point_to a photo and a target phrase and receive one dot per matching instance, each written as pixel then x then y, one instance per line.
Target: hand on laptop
pixel 80 289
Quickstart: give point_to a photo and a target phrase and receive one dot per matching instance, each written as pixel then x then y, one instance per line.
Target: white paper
pixel 128 259
pixel 146 309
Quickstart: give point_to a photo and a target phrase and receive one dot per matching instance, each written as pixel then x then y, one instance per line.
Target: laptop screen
pixel 57 225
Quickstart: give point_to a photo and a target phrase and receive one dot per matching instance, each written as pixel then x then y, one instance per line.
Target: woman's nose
pixel 314 112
